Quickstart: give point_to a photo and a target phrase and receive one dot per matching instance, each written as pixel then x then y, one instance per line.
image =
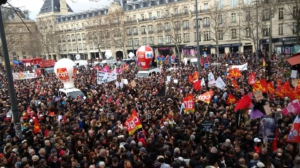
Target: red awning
pixel 294 60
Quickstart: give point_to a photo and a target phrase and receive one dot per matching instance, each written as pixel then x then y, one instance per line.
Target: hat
pixel 24 141
pixel 53 151
pixel 257 140
pixel 101 163
pixel 192 137
pixel 133 142
pixel 8 136
pixel 260 164
pixel 143 149
pixel 109 131
pixel 15 150
pixel 1 155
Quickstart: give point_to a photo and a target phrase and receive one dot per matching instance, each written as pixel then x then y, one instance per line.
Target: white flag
pixel 101 77
pixel 211 80
pixel 220 83
pixel 202 82
pixel 112 76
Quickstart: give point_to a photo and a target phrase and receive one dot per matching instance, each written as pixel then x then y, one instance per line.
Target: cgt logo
pixel 140 54
pixel 132 123
pixel 204 97
pixel 148 55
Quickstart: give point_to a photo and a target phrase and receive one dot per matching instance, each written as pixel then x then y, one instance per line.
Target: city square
pixel 149 83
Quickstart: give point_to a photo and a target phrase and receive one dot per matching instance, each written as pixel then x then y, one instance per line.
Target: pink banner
pixel 292 107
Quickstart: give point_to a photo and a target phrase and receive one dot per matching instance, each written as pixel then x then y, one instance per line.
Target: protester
pixel 92 132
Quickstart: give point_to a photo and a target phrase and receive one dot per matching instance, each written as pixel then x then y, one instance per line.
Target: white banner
pixel 101 77
pixel 243 67
pixel 220 83
pixel 112 76
pixel 21 76
pixel 211 80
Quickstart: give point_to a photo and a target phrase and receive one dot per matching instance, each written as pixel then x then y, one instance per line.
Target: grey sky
pixel 77 5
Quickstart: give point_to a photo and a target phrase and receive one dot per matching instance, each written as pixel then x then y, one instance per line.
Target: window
pixel 199 23
pixel 167 13
pixel 220 35
pixel 220 4
pixel 73 37
pixel 178 38
pixel 176 11
pixel 206 22
pixel 185 24
pixel 233 17
pixel 247 2
pixel 134 17
pixel 280 13
pixel 158 14
pixel 83 36
pixel 24 54
pixel 136 42
pixel 168 39
pixel 295 12
pixel 205 6
pixel 233 3
pixel 151 40
pixel 167 27
pixel 266 15
pixel 206 35
pixel 220 19
pixel 177 25
pixel 233 33
pixel 135 31
pixel 195 36
pixel 185 9
pixel 150 15
pixel 20 29
pixel 144 40
pixel 159 28
pixel 248 32
pixel 21 37
pixel 266 30
pixel 128 31
pixel 160 40
pixel 69 47
pixel 74 47
pixel 142 17
pixel 247 16
pixel 150 29
pixel 84 46
pixel 295 29
pixel 79 46
pixel 186 37
pixel 280 29
pixel 129 42
pixel 127 18
pixel 78 37
pixel 143 29
pixel 69 39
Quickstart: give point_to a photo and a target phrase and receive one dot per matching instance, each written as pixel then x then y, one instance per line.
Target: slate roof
pixel 52 6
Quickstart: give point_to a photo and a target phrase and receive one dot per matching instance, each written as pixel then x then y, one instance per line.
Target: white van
pixel 74 93
pixel 146 73
pixel 81 63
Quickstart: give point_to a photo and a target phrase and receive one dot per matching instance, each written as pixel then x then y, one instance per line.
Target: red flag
pixel 191 80
pixel 286 88
pixel 197 85
pixel 274 143
pixel 234 84
pixel 271 89
pixel 133 123
pixel 264 85
pixel 37 127
pixel 251 79
pixel 294 135
pixel 243 103
pixel 230 99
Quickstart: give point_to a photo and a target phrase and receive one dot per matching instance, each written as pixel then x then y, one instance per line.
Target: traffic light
pixel 2 2
pixel 271 65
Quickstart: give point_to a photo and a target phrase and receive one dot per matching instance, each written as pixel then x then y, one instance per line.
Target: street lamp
pixel 77 55
pixel 197 38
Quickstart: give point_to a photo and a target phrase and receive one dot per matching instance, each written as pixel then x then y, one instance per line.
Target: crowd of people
pixel 90 133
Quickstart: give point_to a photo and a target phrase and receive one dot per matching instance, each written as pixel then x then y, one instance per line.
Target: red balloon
pixel 145 55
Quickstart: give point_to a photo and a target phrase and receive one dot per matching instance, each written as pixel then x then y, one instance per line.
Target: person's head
pixel 3 160
pixel 102 164
pixel 31 152
pixel 264 150
pixel 115 161
pixel 42 152
pixel 242 161
pixel 255 156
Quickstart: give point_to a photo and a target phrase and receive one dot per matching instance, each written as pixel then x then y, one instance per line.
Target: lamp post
pixel 12 93
pixel 77 55
pixel 257 40
pixel 197 38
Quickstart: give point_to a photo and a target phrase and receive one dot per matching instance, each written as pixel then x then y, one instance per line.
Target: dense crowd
pixel 90 132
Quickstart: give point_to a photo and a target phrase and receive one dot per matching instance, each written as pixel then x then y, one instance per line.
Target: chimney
pixel 63 7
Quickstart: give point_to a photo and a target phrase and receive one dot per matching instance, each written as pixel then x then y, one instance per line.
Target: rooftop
pixel 52 6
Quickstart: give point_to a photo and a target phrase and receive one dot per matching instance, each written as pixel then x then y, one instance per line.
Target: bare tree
pixel 292 13
pixel 217 24
pixel 33 46
pixel 250 22
pixel 48 39
pixel 115 21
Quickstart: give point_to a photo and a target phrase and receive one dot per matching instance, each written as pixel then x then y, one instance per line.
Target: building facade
pixel 169 26
pixel 21 37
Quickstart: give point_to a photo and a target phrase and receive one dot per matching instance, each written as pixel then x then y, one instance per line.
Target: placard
pixel 258 95
pixel 169 78
pixel 295 82
pixel 125 81
pixel 294 74
pixel 175 80
pixel 267 109
pixel 133 84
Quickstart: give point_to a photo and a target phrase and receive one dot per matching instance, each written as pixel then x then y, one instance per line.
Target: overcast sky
pixel 34 6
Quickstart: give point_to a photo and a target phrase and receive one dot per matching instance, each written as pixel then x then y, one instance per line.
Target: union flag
pixel 234 84
pixel 195 76
pixel 230 99
pixel 286 88
pixel 37 127
pixel 234 73
pixel 271 89
pixel 260 85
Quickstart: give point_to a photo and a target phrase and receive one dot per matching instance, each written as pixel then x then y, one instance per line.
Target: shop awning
pixel 294 60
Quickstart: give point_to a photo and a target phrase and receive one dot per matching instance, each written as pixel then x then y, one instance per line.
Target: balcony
pixel 69 40
pixel 129 45
pixel 159 31
pixel 206 25
pixel 137 44
pixel 186 27
pixel 150 31
pixel 144 32
pixel 135 33
pixel 167 29
pixel 160 43
pixel 202 11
